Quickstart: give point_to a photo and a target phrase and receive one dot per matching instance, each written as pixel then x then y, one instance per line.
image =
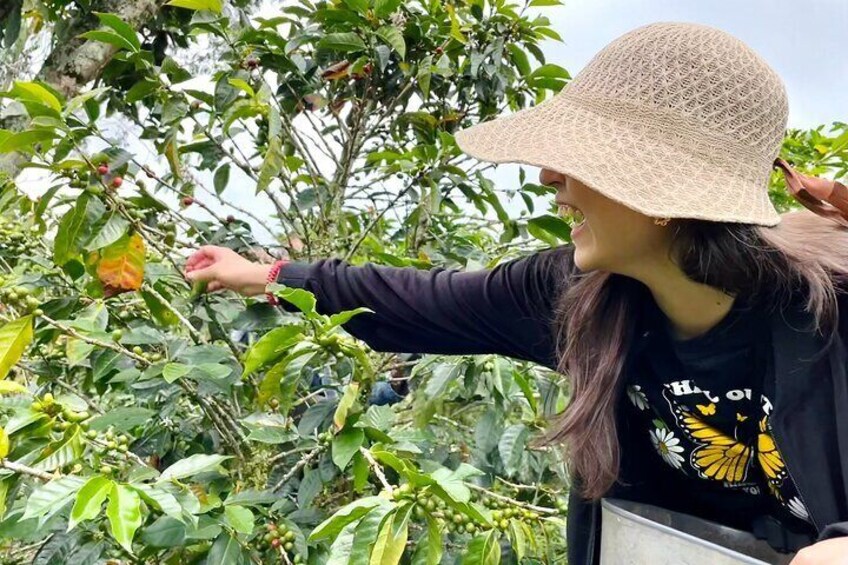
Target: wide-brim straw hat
pixel 674 120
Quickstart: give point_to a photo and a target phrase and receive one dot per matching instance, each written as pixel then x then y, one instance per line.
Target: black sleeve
pixel 506 310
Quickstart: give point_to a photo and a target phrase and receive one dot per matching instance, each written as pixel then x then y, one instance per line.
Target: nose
pixel 548 177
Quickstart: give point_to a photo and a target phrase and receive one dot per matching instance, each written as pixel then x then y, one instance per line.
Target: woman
pixel 700 332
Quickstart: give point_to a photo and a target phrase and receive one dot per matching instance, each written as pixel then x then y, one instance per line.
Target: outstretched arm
pixel 506 310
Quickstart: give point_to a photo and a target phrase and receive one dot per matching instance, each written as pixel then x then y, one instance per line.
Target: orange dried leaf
pixel 121 267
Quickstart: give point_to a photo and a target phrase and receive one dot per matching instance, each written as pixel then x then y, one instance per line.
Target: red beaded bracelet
pixel 272 278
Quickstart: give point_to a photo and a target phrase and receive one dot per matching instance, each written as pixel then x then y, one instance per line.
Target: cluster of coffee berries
pixel 21 299
pixel 15 240
pixel 63 416
pixel 77 179
pixel 108 444
pixel 151 356
pixel 277 537
pixel 336 344
pixel 131 310
pixel 115 182
pixel 325 438
pixel 134 212
pixel 503 512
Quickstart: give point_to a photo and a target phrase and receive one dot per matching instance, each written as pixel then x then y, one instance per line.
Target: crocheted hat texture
pixel 672 119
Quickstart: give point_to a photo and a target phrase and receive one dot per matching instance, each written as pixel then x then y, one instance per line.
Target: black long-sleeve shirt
pixel 507 310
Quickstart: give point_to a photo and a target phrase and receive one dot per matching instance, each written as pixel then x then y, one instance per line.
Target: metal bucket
pixel 637 533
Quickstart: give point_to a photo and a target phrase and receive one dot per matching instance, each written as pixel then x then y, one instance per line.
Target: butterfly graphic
pixel 708 410
pixel 724 458
pixel 718 456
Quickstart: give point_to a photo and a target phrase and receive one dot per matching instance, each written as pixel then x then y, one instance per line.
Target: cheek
pixel 612 243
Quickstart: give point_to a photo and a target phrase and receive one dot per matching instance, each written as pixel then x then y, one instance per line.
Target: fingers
pixel 204 256
pixel 214 286
pixel 209 273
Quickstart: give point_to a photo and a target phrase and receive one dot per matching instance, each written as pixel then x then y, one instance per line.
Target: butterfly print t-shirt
pixel 700 401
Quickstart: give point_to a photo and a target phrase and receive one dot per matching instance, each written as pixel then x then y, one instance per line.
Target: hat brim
pixel 624 159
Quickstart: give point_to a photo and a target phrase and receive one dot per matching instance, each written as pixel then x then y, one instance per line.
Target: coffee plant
pixel 146 421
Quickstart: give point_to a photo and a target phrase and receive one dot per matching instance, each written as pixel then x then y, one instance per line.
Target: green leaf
pixel 483 550
pixel 114 229
pixel 4 444
pixel 11 387
pixel 366 533
pixel 24 140
pixel 241 84
pixel 109 37
pixel 341 318
pixel 63 452
pixel 89 500
pixel 360 6
pixel 378 417
pixel 351 512
pixel 550 229
pixel 221 178
pixel 197 463
pixel 240 518
pixel 547 71
pixel 270 346
pixel 347 42
pixel 47 500
pixel 429 548
pixel 173 371
pixel 34 92
pixel 164 532
pixel 351 393
pixel 271 165
pixel 511 446
pixel 342 546
pixel 384 8
pixel 391 541
pixel 122 419
pixel 124 513
pixel 302 299
pixel 74 228
pixel 282 379
pixel 541 3
pixel 345 445
pixel 122 28
pixel 15 337
pixel 225 551
pixel 160 499
pixel 394 38
pixel 210 5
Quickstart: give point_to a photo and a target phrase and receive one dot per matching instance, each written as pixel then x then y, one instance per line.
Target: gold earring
pixel 661 221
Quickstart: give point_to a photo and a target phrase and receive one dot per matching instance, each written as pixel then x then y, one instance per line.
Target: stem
pixel 528 506
pixel 26 470
pixel 298 466
pixel 377 470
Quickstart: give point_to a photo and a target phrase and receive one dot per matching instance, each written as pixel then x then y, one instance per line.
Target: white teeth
pixel 571 214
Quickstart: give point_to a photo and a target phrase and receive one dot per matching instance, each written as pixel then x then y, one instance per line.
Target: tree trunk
pixel 75 62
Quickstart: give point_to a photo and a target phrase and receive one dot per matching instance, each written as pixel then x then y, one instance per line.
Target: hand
pixel 832 551
pixel 224 268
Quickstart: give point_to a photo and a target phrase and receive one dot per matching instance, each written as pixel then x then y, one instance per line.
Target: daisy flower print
pixel 668 446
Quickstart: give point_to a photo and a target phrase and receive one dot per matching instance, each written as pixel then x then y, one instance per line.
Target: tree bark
pixel 75 62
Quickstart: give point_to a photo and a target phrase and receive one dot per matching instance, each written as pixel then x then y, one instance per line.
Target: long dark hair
pixel 596 316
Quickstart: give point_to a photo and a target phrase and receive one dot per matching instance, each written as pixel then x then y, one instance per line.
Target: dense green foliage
pixel 148 422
